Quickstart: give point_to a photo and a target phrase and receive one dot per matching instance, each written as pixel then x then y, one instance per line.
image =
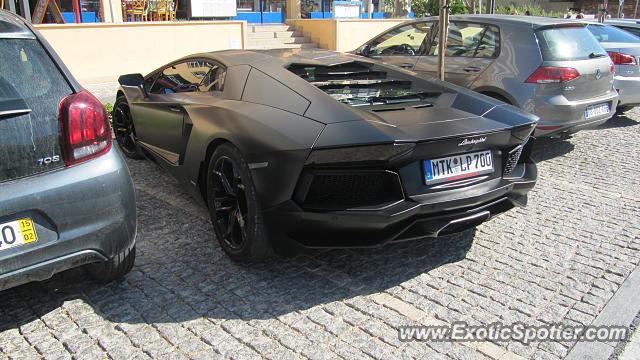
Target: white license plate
pixel 16 233
pixel 457 167
pixel 596 110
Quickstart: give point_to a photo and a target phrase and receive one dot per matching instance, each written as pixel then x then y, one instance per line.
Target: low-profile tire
pixel 234 208
pixel 124 129
pixel 113 269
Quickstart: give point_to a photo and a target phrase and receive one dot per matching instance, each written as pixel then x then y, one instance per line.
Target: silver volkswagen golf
pixel 553 68
pixel 66 197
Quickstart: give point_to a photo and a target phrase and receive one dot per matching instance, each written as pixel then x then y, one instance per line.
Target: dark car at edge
pixel 323 149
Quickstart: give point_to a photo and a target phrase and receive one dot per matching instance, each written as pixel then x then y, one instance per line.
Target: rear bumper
pixel 558 115
pixel 82 214
pixel 404 220
pixel 628 90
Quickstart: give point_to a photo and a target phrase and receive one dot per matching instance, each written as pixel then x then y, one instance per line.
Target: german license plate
pixel 16 233
pixel 596 110
pixel 458 167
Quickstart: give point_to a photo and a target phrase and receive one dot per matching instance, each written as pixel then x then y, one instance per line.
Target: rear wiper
pixel 14 105
pixel 594 55
pixel 13 112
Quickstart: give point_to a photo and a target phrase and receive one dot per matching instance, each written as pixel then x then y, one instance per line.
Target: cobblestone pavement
pixel 558 260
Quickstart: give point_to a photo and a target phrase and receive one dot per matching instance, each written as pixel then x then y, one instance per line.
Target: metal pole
pixel 113 10
pixel 605 8
pixel 25 10
pixel 620 7
pixel 12 6
pixel 76 11
pixel 443 28
pixel 635 12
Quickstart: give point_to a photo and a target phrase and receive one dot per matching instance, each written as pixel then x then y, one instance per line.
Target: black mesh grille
pixel 347 190
pixel 512 160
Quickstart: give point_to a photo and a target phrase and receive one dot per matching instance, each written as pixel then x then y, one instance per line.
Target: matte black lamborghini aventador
pixel 318 148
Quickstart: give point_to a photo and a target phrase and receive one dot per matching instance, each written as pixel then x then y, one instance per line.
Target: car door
pixel 401 46
pixel 471 48
pixel 160 119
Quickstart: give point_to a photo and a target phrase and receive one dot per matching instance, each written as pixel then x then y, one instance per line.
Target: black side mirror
pixel 364 50
pixel 133 80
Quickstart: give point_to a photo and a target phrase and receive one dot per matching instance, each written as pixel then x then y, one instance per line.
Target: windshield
pixel 605 33
pixel 568 43
pixel 359 84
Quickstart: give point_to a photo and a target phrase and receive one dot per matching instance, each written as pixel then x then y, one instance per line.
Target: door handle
pixel 471 69
pixel 175 108
pixel 406 66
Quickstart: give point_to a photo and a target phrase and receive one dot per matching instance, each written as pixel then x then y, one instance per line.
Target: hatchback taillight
pixel 622 59
pixel 84 125
pixel 546 74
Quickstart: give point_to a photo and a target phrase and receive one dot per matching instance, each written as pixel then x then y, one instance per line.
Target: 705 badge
pixel 48 160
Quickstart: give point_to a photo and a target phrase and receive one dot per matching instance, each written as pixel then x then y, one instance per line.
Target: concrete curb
pixel 621 310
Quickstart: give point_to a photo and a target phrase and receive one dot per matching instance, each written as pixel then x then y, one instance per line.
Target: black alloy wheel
pixel 230 202
pixel 234 207
pixel 124 130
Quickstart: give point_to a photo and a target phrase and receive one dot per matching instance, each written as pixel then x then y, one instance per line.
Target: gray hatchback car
pixel 553 68
pixel 66 196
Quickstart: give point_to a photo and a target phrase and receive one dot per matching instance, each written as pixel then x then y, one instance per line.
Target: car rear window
pixel 612 34
pixel 27 74
pixel 567 43
pixel 31 88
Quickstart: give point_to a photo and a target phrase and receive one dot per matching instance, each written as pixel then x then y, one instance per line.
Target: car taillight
pixel 545 75
pixel 622 59
pixel 85 129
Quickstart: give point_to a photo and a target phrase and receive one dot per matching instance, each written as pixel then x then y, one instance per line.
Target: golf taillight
pixel 546 75
pixel 84 126
pixel 622 59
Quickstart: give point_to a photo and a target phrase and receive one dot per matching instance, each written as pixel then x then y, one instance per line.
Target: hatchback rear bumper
pixel 81 214
pixel 558 115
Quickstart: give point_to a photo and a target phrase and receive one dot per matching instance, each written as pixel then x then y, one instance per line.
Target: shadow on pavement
pixel 549 148
pixel 182 274
pixel 619 120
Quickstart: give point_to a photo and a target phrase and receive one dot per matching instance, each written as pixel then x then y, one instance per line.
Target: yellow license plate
pixel 16 233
